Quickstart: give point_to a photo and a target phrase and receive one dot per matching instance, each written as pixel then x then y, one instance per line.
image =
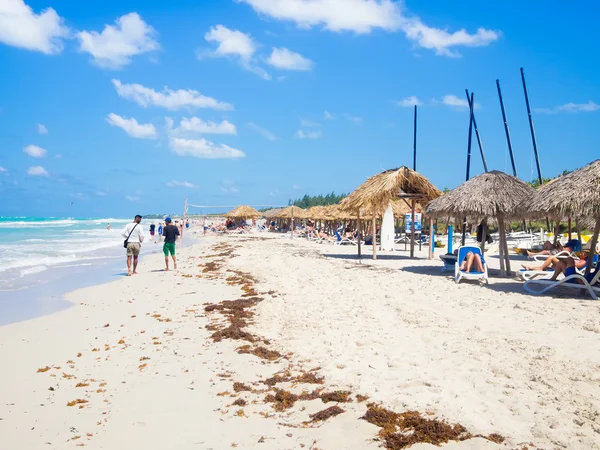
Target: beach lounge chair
pixel 575 281
pixel 527 275
pixel 462 274
pixel 342 241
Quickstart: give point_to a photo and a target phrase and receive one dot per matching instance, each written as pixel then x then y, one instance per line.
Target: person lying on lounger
pixel 553 261
pixel 471 259
pixel 324 235
pixel 568 266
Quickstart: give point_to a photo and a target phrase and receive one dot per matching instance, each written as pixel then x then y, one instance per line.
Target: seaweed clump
pixel 401 430
pixel 281 400
pixel 261 352
pixel 332 411
pixel 337 396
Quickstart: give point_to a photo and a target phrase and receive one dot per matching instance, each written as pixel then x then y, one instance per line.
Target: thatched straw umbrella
pixel 377 192
pixel 576 195
pixel 271 213
pixel 489 195
pixel 243 212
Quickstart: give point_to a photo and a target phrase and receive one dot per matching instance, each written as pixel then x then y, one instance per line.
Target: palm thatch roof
pixel 243 212
pixel 316 212
pixel 377 192
pixel 575 195
pixel 271 213
pixel 492 194
pixel 287 213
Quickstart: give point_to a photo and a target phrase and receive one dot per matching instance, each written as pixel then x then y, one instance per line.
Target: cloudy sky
pixel 131 106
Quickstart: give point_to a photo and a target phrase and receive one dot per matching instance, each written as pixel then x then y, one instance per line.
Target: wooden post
pixel 593 246
pixel 501 247
pixel 374 234
pixel 506 254
pixel 412 229
pixel 431 238
pixel 570 228
pixel 358 237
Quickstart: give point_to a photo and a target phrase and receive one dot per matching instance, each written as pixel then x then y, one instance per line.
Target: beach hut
pixel 243 212
pixel 575 195
pixel 489 195
pixel 375 195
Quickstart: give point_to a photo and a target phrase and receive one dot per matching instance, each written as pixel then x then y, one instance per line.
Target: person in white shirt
pixel 134 236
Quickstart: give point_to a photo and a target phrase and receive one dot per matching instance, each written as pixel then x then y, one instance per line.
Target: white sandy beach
pixel 487 357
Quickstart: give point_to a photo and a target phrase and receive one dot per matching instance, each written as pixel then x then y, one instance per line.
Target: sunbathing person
pixel 548 249
pixel 552 260
pixel 324 235
pixel 568 266
pixel 471 259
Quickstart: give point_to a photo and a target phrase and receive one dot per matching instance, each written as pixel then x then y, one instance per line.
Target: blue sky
pixel 126 107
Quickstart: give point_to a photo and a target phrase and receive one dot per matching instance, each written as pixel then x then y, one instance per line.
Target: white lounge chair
pixel 575 281
pixel 342 241
pixel 462 274
pixel 527 275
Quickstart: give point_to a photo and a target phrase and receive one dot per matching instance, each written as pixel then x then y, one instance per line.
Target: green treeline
pixel 318 200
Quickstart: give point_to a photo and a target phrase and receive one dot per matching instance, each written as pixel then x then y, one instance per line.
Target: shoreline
pixel 47 294
pixel 168 384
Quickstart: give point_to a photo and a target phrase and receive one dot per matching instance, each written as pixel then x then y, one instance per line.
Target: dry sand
pixel 489 358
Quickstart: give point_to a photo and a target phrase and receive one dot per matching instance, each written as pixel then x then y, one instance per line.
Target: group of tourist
pixel 134 236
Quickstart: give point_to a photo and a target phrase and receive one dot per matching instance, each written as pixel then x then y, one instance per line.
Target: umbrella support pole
pixel 358 235
pixel 412 229
pixel 374 225
pixel 504 246
pixel 431 238
pixel 593 245
pixel 501 247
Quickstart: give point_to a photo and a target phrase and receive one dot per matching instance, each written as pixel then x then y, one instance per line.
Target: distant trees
pixel 536 183
pixel 318 200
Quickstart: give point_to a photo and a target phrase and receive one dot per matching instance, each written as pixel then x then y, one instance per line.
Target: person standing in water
pixel 134 236
pixel 108 226
pixel 170 233
pixel 152 230
pixel 160 230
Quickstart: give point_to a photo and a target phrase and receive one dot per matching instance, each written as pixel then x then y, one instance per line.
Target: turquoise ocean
pixel 32 246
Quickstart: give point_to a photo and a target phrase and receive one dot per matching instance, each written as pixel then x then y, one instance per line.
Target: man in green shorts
pixel 170 233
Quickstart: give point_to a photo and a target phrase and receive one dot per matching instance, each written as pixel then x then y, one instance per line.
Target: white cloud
pixel 78 196
pixel 230 190
pixel 236 45
pixel 21 27
pixel 168 98
pixel 132 127
pixel 353 119
pixel 409 102
pixel 185 184
pixel 282 58
pixel 301 134
pixel 309 123
pixel 117 44
pixel 328 116
pixel 132 198
pixel 35 151
pixel 296 187
pixel 202 148
pixel 59 156
pixel 571 108
pixel 260 130
pixel 359 16
pixel 457 103
pixel 37 171
pixel 442 41
pixel 42 129
pixel 196 125
pixel 362 16
pixel 3 170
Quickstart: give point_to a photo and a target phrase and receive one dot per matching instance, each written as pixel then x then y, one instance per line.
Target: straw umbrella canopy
pixel 243 212
pixel 271 213
pixel 291 211
pixel 375 194
pixel 576 194
pixel 316 213
pixel 489 195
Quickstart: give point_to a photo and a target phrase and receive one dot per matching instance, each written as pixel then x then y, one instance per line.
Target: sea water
pixel 31 246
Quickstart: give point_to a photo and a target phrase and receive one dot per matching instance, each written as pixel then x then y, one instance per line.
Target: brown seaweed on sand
pixel 261 352
pixel 332 411
pixel 281 400
pixel 239 387
pixel 337 396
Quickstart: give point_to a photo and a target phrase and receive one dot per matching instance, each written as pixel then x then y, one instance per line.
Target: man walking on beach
pixel 134 236
pixel 170 233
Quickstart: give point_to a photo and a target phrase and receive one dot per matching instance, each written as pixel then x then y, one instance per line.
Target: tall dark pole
pixel 415 142
pixel 510 149
pixel 477 135
pixel 471 105
pixel 535 149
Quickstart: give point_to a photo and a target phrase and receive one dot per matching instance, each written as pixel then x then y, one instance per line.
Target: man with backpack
pixel 134 236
